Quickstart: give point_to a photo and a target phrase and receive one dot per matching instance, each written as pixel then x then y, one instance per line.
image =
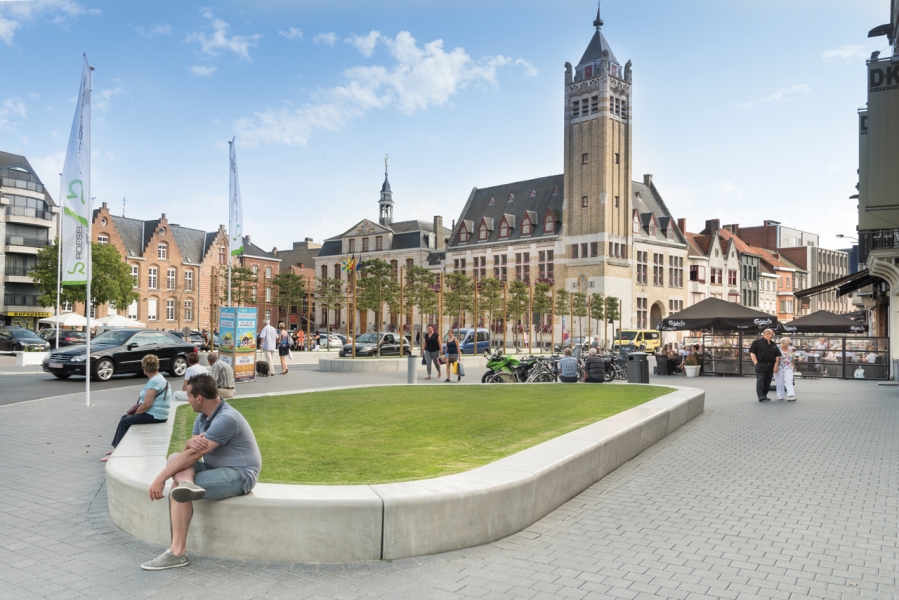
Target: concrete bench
pixel 310 523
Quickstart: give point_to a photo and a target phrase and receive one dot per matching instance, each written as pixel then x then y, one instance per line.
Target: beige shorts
pixel 226 393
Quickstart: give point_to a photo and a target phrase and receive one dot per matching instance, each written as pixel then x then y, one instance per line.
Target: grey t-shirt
pixel 237 444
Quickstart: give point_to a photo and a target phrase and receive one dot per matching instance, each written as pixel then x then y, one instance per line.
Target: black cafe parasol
pixel 713 313
pixel 824 321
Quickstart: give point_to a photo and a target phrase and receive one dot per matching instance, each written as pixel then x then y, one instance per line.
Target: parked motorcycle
pixel 499 363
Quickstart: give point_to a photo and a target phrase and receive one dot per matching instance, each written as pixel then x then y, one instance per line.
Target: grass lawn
pixel 387 434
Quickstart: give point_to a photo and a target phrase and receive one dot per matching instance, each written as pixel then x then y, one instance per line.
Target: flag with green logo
pixel 235 221
pixel 76 190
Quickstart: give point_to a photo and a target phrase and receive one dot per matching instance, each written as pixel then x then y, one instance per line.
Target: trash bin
pixel 637 368
pixel 896 369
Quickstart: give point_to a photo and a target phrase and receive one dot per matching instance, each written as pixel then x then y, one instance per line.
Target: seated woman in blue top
pixel 152 405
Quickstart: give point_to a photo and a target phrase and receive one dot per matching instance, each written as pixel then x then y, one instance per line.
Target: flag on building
pixel 235 219
pixel 76 189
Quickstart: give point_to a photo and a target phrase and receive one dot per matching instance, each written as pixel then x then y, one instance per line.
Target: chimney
pixel 104 205
pixel 275 252
pixel 682 225
pixel 711 226
pixel 163 217
pixel 246 237
pixel 438 233
pixel 647 180
pixel 308 240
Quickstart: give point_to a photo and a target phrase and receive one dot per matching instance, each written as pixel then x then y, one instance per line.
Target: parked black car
pixel 367 345
pixel 195 337
pixel 20 339
pixel 120 351
pixel 67 337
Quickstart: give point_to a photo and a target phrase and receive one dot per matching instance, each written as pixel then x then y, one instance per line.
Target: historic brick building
pixel 174 269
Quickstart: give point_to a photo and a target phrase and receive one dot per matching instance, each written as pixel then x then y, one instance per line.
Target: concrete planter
pixel 692 370
pixel 29 359
pixel 310 523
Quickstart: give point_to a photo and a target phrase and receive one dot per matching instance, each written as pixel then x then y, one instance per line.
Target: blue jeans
pixel 220 483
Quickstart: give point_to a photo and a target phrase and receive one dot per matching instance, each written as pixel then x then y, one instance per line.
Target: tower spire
pixel 386 202
pixel 598 22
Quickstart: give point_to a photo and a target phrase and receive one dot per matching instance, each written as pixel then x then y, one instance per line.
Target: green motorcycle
pixel 501 368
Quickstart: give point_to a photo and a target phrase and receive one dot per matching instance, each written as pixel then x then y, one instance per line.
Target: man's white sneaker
pixel 187 492
pixel 166 560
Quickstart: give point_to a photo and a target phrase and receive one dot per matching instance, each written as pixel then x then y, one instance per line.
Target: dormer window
pixel 526 225
pixel 511 197
pixel 491 201
pixel 503 229
pixel 533 193
pixel 636 227
pixel 463 233
pixel 652 226
pixel 670 232
pixel 555 191
pixel 549 222
pixel 483 232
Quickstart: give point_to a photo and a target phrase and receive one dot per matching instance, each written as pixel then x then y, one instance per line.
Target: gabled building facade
pixel 262 292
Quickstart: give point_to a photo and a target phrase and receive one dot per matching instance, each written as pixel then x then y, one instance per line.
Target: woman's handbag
pixel 460 369
pixel 441 360
pixel 424 361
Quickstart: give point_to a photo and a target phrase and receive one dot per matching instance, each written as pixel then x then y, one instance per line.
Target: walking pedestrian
pixel 207 340
pixel 766 356
pixel 418 338
pixel 453 354
pixel 269 336
pixel 283 348
pixel 301 340
pixel 783 378
pixel 432 351
pixel 568 367
pixel 595 367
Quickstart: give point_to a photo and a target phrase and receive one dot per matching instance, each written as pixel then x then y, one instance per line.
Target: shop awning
pixel 857 284
pixel 826 287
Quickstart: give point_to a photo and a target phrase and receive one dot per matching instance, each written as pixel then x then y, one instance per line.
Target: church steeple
pixel 386 201
pixel 598 22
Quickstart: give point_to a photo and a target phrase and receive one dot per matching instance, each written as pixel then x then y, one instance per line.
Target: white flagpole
pixel 230 211
pixel 59 220
pixel 90 218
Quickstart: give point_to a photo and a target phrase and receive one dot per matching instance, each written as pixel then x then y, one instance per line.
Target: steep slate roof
pixel 407 235
pixel 251 249
pixel 331 248
pixel 479 207
pixel 741 246
pixel 649 203
pixel 8 159
pixel 192 243
pixel 595 48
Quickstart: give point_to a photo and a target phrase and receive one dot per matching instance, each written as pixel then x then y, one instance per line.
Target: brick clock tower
pixel 597 212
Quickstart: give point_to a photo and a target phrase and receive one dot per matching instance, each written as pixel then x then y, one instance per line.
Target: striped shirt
pixel 223 374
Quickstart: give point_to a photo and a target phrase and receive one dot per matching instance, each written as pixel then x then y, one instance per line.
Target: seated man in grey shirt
pixel 230 465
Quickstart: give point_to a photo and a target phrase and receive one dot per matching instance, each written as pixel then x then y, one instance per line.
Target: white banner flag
pixel 235 220
pixel 76 192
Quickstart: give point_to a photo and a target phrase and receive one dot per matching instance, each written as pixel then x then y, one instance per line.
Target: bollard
pixel 412 369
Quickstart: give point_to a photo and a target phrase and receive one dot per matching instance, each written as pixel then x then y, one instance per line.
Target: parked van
pixel 467 341
pixel 644 340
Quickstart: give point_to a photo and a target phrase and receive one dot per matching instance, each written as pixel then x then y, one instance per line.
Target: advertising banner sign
pixel 237 327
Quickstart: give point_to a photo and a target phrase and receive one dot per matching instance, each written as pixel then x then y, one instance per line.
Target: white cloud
pixel 212 45
pixel 420 77
pixel 102 100
pixel 14 14
pixel 365 44
pixel 154 31
pixel 49 167
pixel 779 95
pixel 845 53
pixel 11 108
pixel 203 71
pixel 292 33
pixel 328 39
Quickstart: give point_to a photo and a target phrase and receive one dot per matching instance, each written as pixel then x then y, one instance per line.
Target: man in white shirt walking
pixel 269 337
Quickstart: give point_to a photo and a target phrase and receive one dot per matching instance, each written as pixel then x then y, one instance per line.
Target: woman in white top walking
pixel 783 378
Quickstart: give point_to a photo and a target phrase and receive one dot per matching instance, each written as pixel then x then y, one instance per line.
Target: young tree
pixel 597 310
pixel 490 298
pixel 579 304
pixel 329 295
pixel 613 310
pixel 243 282
pixel 418 292
pixel 542 304
pixel 517 304
pixel 110 278
pixel 378 286
pixel 561 310
pixel 291 288
pixel 458 298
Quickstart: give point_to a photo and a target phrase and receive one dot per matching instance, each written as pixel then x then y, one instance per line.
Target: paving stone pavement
pixel 750 500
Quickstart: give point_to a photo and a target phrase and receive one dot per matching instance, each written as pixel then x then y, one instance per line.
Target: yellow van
pixel 644 340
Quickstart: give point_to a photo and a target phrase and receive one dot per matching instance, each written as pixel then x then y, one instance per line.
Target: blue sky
pixel 743 109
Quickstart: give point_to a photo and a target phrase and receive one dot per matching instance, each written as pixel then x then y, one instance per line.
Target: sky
pixel 743 110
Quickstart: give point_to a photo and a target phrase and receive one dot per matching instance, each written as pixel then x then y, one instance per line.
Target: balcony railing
pixel 17 270
pixel 18 240
pixel 34 213
pixel 22 185
pixel 876 239
pixel 21 299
